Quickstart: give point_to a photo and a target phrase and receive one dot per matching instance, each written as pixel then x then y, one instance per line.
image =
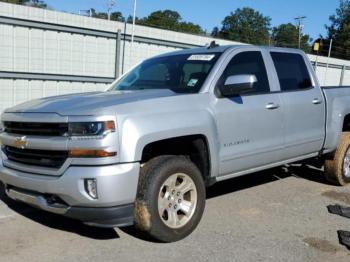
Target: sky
pixel 210 13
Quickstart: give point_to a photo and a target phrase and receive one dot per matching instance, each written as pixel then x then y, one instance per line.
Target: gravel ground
pixel 276 215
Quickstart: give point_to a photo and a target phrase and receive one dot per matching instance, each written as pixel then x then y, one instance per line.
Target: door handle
pixel 272 106
pixel 316 101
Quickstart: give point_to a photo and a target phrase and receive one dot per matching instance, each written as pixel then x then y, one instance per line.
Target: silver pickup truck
pixel 144 151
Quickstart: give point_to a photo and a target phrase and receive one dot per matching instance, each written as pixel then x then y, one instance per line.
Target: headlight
pixel 90 129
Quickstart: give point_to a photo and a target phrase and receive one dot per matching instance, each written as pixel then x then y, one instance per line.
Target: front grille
pixel 36 129
pixel 45 158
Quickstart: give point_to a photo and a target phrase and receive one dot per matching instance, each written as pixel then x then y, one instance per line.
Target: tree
pixel 36 3
pixel 189 27
pixel 170 20
pixel 246 25
pixel 137 19
pixel 17 2
pixel 115 16
pixel 164 19
pixel 340 20
pixel 287 35
pixel 33 3
pixel 339 31
pixel 215 32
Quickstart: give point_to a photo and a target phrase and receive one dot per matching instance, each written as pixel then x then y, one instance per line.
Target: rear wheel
pixel 337 167
pixel 171 198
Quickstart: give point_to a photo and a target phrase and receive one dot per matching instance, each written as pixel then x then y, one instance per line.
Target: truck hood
pixel 87 103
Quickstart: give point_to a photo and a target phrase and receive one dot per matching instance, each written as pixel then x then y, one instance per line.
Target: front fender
pixel 139 131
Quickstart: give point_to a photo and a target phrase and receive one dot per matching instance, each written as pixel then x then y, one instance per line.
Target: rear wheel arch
pixel 346 123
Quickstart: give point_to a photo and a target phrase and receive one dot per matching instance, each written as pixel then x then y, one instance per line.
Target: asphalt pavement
pixel 275 215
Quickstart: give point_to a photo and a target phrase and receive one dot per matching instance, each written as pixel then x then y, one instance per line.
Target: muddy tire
pixel 337 167
pixel 170 199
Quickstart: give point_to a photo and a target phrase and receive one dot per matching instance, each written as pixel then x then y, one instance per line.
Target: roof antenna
pixel 213 44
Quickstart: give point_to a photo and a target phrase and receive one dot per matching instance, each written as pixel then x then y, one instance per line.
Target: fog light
pixel 91 187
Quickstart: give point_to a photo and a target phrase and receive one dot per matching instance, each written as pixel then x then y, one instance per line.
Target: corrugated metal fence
pixel 45 53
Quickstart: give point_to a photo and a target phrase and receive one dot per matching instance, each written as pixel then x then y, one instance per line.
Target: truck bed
pixel 337 106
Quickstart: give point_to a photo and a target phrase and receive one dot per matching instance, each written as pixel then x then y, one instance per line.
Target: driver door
pixel 250 125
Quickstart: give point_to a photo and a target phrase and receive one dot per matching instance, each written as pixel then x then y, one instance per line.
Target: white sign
pixel 201 57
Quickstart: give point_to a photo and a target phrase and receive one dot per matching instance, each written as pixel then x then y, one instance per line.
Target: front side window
pixel 292 71
pixel 179 73
pixel 249 63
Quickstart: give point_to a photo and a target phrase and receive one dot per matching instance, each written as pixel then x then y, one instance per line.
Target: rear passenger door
pixel 303 105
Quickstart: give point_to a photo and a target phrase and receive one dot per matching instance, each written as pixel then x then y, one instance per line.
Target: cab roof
pixel 201 50
pixel 224 48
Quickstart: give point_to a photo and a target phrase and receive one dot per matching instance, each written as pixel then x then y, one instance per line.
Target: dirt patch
pixel 142 216
pixel 339 196
pixel 321 244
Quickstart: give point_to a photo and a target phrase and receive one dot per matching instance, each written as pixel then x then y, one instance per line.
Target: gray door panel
pixel 250 126
pixel 303 105
pixel 304 122
pixel 251 134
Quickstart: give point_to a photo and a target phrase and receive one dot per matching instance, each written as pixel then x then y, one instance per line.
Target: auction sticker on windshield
pixel 201 57
pixel 192 82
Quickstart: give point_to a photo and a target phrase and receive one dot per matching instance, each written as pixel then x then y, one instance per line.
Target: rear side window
pixel 292 71
pixel 249 63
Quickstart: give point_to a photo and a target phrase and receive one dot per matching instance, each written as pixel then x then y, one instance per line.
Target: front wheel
pixel 171 198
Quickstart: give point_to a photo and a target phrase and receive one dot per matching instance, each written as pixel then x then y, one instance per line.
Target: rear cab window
pixel 292 71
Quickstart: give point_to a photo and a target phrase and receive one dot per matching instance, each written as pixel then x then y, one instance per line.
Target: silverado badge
pixel 21 142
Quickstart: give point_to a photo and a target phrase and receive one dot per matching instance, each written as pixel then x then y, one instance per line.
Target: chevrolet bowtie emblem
pixel 21 142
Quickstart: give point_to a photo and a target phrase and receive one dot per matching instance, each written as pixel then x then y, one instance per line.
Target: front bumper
pixel 116 186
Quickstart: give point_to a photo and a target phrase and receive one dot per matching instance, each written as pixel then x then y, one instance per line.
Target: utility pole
pixel 133 23
pixel 300 25
pixel 327 66
pixel 110 5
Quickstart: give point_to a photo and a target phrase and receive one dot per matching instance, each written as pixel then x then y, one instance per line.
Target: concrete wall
pixel 44 53
pixel 331 76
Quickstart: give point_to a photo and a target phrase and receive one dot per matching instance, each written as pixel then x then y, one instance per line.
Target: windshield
pixel 179 73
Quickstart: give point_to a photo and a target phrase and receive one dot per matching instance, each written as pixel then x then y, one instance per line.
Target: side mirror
pixel 238 84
